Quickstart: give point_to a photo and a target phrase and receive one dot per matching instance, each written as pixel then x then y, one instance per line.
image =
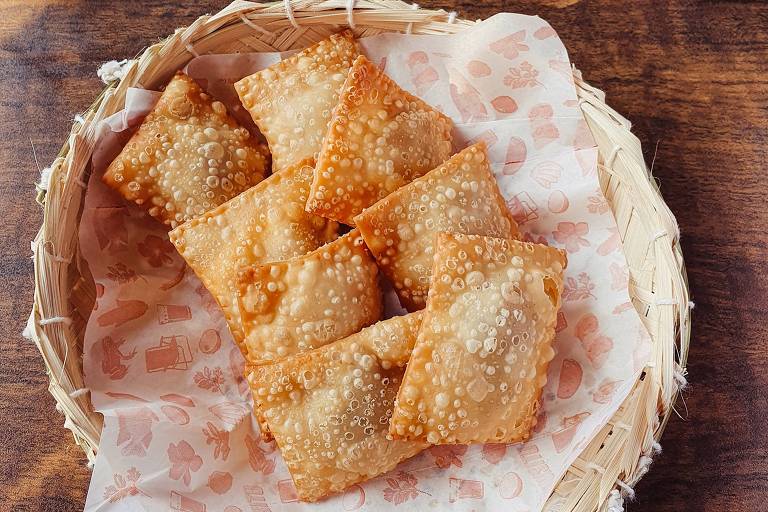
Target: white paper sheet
pixel 164 371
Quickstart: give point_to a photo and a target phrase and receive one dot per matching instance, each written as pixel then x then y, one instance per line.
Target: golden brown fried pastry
pixel 265 223
pixel 379 139
pixel 291 102
pixel 460 196
pixel 481 357
pixel 308 301
pixel 329 408
pixel 188 156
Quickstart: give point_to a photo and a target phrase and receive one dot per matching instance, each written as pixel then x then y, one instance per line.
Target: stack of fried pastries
pixel 365 188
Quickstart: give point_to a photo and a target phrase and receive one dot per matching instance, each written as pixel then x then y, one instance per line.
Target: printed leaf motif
pixel 212 380
pixel 257 455
pixel 522 76
pixel 220 440
pixel 579 288
pixel 121 274
pixel 124 486
pixel 402 488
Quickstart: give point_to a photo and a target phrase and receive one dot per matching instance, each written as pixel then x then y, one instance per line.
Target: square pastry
pixel 265 223
pixel 306 302
pixel 329 408
pixel 291 101
pixel 460 196
pixel 187 157
pixel 480 360
pixel 379 139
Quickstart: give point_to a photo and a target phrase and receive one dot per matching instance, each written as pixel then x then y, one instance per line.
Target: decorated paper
pixel 161 365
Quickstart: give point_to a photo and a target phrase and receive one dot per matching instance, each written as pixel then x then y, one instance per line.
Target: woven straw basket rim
pixel 65 292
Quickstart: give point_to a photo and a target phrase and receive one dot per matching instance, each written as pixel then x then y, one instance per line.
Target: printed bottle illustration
pixel 173 353
pixel 182 503
pixel 461 489
pixel 170 313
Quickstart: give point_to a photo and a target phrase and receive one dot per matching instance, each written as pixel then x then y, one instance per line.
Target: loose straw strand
pixel 289 13
pixel 350 13
pixel 409 27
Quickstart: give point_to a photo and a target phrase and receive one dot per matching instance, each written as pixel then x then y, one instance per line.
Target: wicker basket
pixel 65 292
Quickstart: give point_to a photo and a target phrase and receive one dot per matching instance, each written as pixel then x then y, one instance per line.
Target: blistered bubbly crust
pixel 379 139
pixel 329 408
pixel 263 224
pixel 480 360
pixel 187 157
pixel 291 101
pixel 308 301
pixel 460 196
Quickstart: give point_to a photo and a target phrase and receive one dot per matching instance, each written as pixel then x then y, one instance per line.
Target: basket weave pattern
pixel 65 292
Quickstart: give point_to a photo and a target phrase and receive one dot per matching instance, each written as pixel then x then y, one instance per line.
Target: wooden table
pixel 693 77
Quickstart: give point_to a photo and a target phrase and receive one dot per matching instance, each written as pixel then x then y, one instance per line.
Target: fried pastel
pixel 308 301
pixel 379 139
pixel 265 223
pixel 187 157
pixel 460 196
pixel 329 408
pixel 291 102
pixel 481 357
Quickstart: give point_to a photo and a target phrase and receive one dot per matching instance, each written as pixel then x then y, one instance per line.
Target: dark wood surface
pixel 692 76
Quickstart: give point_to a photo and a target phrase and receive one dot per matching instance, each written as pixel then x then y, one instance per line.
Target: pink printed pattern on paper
pixel 162 367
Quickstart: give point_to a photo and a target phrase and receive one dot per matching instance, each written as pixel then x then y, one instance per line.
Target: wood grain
pixel 692 76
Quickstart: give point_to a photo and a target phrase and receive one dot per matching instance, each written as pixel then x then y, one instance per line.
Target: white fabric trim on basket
pixel 289 13
pixel 254 26
pixel 55 320
pixel 350 13
pixel 191 49
pixel 626 488
pixel 593 466
pixel 79 392
pixel 112 70
pixel 615 502
pixel 452 17
pixel 680 379
pixel 409 27
pixel 80 181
